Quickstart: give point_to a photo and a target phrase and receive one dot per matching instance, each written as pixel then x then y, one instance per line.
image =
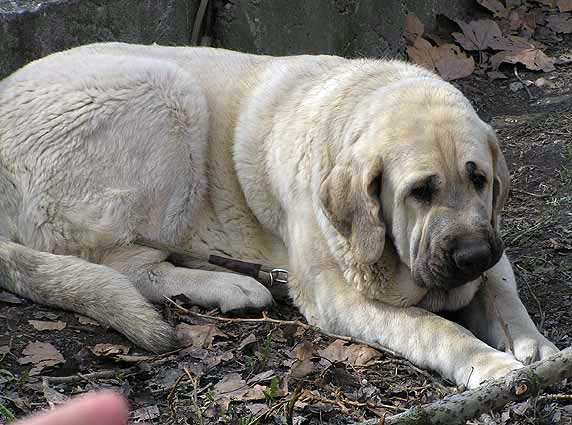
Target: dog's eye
pixel 479 179
pixel 424 192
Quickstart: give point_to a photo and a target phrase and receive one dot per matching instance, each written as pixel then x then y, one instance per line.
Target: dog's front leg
pixel 424 338
pixel 498 317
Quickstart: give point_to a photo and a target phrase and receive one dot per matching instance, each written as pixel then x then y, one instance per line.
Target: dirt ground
pixel 243 372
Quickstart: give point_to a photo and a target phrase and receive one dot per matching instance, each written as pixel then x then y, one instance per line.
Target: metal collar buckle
pixel 278 276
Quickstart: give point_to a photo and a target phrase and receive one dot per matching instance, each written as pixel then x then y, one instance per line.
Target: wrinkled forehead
pixel 437 142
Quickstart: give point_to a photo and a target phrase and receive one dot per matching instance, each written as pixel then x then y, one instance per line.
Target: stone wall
pixel 30 29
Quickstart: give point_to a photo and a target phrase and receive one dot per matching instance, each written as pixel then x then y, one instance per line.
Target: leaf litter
pixel 512 35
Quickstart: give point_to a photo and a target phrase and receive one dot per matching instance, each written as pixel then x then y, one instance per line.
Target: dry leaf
pixel 549 3
pixel 231 387
pixel 514 43
pixel 250 339
pixel 453 67
pixel 83 320
pixel 261 377
pixel 52 396
pixel 477 35
pixel 448 59
pixel 199 336
pixel 145 414
pixel 110 350
pixel 41 355
pixel 420 53
pixel 354 354
pixel 494 6
pixel 303 365
pixel 560 23
pixel 533 59
pixel 414 28
pixel 564 5
pixel 42 325
pixel 212 361
pixel 496 75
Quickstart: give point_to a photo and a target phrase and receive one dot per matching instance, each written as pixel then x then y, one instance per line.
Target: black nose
pixel 472 256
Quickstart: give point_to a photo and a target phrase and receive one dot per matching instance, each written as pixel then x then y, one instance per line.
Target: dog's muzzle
pixel 458 260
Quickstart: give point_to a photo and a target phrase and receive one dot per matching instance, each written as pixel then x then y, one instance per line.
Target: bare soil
pixel 247 372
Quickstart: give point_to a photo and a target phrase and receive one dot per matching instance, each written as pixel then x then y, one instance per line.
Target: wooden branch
pixel 492 395
pixel 266 319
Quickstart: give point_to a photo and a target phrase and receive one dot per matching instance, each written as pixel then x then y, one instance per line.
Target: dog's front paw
pixel 491 365
pixel 530 348
pixel 243 293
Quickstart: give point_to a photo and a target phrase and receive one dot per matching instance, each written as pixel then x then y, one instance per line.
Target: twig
pixel 518 385
pixel 266 319
pixel 557 397
pixel 343 402
pixel 195 383
pixel 104 374
pixel 290 407
pixel 530 95
pixel 535 195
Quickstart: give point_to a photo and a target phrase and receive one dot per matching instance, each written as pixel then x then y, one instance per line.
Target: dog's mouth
pixel 454 267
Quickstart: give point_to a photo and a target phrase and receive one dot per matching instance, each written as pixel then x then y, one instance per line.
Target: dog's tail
pixel 90 289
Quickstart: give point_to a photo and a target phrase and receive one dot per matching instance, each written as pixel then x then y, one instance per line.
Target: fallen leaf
pixel 261 377
pixel 52 396
pixel 213 361
pixel 8 298
pixel 250 339
pixel 199 336
pixel 303 364
pixel 109 350
pixel 231 387
pixel 414 28
pixel 477 35
pixel 453 67
pixel 496 75
pixel 42 325
pixel 257 409
pixel 514 43
pixel 83 320
pixel 354 354
pixel 494 6
pixel 564 5
pixel 41 355
pixel 560 23
pixel 533 59
pixel 147 413
pixel 549 3
pixel 448 59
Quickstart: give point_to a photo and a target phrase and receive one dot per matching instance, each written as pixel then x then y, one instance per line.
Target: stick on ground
pixel 492 395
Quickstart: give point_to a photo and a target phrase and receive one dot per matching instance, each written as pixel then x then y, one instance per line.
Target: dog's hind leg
pixel 156 279
pixel 90 289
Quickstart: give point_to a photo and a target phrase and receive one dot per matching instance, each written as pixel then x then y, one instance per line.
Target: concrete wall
pixel 342 27
pixel 30 29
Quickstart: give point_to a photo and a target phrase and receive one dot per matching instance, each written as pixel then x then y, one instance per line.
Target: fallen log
pixel 491 395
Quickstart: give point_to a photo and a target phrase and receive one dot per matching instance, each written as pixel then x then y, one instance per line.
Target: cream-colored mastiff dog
pixel 374 182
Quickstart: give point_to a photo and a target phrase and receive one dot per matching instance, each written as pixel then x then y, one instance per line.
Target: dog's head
pixel 424 173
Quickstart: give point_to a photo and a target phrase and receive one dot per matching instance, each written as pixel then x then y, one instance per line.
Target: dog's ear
pixel 350 196
pixel 501 183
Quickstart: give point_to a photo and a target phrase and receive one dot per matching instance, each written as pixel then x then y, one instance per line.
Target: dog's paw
pixel 492 365
pixel 243 293
pixel 530 348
